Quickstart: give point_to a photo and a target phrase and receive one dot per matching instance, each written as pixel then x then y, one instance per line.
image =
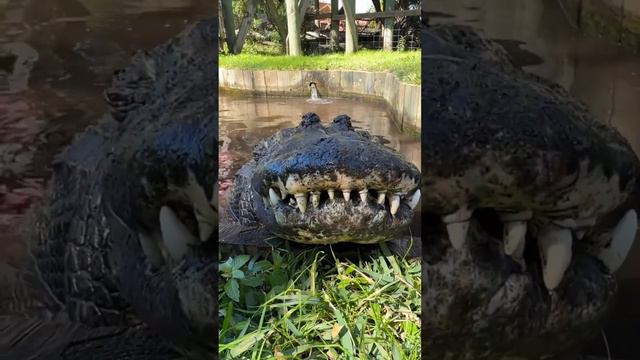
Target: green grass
pixel 310 305
pixel 404 64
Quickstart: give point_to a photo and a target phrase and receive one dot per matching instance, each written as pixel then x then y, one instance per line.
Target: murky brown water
pixel 604 76
pixel 244 121
pixel 56 57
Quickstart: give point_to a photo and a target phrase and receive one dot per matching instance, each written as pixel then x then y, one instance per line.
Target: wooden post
pixel 334 41
pixel 387 31
pixel 351 35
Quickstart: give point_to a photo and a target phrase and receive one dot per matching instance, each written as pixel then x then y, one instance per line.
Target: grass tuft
pixel 311 305
pixel 404 64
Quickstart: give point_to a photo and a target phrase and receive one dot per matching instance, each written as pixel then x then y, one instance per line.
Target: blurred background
pixel 56 58
pixel 590 48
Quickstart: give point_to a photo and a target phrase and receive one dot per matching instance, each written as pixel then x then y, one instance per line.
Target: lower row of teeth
pixel 555 240
pixel 301 200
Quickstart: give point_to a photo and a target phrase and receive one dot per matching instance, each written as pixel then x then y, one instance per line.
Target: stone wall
pixel 404 100
pixel 617 20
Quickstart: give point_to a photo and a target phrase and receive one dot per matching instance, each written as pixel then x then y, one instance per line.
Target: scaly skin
pixel 106 247
pixel 501 142
pixel 316 159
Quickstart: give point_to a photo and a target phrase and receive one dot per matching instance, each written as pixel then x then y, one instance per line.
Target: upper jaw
pixel 332 217
pixel 552 242
pixel 336 207
pixel 510 308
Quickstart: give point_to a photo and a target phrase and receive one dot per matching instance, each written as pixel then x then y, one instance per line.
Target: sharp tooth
pixel 458 226
pixel 363 195
pixel 381 196
pixel 514 238
pixel 414 199
pixel 555 250
pixel 202 207
pixel 151 249
pixel 206 221
pixel 346 194
pixel 332 193
pixel 622 238
pixel 214 196
pixel 515 232
pixel 274 199
pixel 175 235
pixel 205 230
pixel 395 203
pixel 301 200
pixel 582 225
pixel 458 233
pixel 315 199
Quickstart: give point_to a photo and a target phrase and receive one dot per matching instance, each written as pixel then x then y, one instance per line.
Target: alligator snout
pixel 332 183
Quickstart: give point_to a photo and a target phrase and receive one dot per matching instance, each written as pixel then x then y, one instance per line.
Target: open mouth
pixel 185 221
pixel 317 209
pixel 322 184
pixel 542 248
pixel 325 200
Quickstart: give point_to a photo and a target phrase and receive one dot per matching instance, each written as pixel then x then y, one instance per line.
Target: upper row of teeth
pixel 555 240
pixel 302 198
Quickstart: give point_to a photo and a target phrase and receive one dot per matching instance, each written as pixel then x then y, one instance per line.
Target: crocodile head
pixel 331 183
pixel 529 202
pixel 160 187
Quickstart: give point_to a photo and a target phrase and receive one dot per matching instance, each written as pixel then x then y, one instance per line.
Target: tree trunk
pixel 303 6
pixel 335 27
pixel 376 5
pixel 295 47
pixel 229 26
pixel 244 26
pixel 351 41
pixel 387 32
pixel 279 22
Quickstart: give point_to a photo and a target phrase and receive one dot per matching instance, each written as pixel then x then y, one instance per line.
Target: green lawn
pixel 405 64
pixel 310 305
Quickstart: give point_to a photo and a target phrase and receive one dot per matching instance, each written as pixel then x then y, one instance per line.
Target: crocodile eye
pixel 309 119
pixel 342 122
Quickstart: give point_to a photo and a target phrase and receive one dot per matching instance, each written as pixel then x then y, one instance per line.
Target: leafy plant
pixel 314 305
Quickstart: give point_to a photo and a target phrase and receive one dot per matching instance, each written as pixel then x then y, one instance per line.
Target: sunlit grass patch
pixel 404 64
pixel 310 305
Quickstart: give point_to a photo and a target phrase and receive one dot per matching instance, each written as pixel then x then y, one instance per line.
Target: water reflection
pixel 244 121
pixel 56 57
pixel 602 75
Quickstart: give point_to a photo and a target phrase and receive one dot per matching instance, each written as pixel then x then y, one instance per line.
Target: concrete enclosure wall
pixel 405 100
pixel 617 20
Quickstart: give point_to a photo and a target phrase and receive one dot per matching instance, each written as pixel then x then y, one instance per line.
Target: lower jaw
pixel 306 237
pixel 363 225
pixel 511 311
pixel 323 234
